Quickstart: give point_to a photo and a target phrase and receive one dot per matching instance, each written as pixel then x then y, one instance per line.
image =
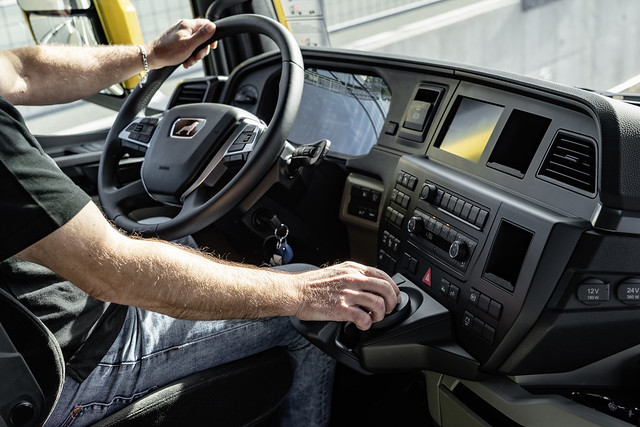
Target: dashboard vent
pixel 190 93
pixel 571 162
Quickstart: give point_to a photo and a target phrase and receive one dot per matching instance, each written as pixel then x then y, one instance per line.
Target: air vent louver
pixel 571 162
pixel 190 93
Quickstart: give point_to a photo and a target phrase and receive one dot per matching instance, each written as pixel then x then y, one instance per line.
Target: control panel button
pixel 446 197
pixel 467 320
pixel 452 204
pixel 391 129
pixel 593 291
pixel 454 291
pixel 417 115
pixel 438 198
pixel 413 265
pixel 413 182
pixel 466 210
pixel 495 309
pixel 478 326
pixel 473 214
pixel 484 302
pixel 482 218
pixel 488 333
pixel 474 297
pixel 444 287
pixel 457 210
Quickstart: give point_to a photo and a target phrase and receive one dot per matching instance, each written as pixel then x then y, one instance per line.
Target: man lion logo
pixel 187 128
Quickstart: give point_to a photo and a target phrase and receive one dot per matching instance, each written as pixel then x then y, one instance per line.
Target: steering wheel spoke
pixel 129 197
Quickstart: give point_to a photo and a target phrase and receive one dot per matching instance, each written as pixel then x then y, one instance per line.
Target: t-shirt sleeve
pixel 36 197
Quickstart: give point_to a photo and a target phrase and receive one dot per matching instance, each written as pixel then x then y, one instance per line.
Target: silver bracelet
pixel 145 64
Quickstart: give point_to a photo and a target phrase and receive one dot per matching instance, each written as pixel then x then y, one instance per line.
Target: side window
pixel 83 116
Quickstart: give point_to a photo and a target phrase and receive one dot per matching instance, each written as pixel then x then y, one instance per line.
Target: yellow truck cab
pixel 449 143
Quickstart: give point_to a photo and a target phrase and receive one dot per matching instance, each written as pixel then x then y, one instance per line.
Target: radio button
pixel 473 215
pixel 452 204
pixel 431 224
pixel 457 210
pixel 466 210
pixel 482 218
pixel 445 200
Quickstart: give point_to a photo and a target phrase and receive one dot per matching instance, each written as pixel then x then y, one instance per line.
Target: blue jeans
pixel 153 350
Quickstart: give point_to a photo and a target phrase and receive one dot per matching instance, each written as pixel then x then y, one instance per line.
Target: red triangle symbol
pixel 427 277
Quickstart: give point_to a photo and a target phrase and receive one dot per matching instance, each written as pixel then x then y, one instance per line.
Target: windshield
pixel 583 43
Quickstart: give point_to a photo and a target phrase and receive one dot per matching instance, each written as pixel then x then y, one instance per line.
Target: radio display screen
pixel 471 124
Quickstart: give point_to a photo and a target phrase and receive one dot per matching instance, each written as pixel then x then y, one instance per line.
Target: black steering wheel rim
pixel 193 219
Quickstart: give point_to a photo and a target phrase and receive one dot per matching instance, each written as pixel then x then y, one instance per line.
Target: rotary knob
pixel 458 250
pixel 428 193
pixel 415 225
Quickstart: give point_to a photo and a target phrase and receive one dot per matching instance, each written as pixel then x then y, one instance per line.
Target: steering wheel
pixel 191 147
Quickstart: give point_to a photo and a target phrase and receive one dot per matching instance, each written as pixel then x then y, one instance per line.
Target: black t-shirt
pixel 36 198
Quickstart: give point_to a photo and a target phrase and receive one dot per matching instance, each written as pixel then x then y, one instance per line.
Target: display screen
pixel 348 109
pixel 470 128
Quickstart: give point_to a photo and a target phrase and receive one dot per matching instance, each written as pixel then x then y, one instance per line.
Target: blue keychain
pixel 283 248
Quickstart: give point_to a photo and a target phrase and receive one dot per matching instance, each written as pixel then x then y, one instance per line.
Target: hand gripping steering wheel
pixel 193 145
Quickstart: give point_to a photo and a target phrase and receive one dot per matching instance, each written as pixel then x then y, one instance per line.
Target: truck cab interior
pixel 506 208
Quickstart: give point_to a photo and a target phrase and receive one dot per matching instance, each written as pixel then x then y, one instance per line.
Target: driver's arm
pixel 52 74
pixel 183 283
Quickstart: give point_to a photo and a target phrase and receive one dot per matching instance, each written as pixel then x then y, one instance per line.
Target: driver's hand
pixel 346 292
pixel 179 42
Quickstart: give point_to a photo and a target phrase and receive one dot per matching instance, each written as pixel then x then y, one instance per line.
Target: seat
pixel 243 392
pixel 31 366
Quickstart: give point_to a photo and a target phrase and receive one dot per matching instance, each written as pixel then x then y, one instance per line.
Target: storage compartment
pixel 507 255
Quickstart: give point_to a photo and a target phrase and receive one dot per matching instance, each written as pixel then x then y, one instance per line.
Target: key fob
pixel 285 252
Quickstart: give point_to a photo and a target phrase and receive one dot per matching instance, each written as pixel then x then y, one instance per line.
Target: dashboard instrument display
pixel 346 108
pixel 471 124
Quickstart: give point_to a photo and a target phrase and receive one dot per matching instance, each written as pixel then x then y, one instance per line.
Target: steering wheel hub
pixel 190 145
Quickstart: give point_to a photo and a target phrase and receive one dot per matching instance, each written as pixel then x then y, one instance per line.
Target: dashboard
pixel 506 208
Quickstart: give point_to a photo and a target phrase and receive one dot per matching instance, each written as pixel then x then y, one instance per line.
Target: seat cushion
pixel 243 392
